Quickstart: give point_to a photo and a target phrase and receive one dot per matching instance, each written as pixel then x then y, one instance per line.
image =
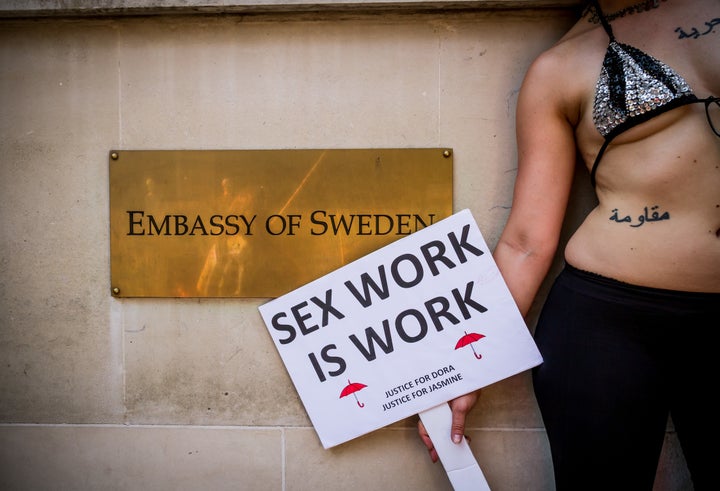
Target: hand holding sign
pixel 412 325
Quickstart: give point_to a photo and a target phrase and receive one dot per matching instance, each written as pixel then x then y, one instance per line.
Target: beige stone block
pixel 509 403
pixel 29 8
pixel 395 458
pixel 298 82
pixel 384 459
pixel 132 458
pixel 204 362
pixel 514 460
pixel 61 361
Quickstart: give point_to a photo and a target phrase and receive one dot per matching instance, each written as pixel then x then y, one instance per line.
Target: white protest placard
pixel 404 329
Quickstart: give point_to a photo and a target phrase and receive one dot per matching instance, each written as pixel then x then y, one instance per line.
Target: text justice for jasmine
pixel 417 388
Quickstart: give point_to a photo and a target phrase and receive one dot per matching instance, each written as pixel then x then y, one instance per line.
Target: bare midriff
pixel 657 222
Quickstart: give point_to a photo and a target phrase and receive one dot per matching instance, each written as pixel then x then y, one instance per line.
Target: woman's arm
pixel 546 162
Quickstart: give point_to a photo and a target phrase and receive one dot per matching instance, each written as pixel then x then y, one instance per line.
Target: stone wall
pixel 107 393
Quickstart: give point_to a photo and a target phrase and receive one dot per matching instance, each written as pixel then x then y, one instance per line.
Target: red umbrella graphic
pixel 352 388
pixel 469 339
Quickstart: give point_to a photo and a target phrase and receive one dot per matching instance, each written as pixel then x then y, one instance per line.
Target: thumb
pixel 460 408
pixel 457 429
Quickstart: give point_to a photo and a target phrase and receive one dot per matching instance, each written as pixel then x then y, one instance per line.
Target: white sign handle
pixel 457 458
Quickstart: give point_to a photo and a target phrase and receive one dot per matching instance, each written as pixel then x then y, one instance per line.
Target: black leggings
pixel 618 359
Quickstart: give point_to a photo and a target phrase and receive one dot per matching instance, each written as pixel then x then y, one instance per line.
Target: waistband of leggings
pixel 621 287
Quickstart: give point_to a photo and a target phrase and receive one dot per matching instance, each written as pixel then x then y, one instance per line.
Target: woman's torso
pixel 657 222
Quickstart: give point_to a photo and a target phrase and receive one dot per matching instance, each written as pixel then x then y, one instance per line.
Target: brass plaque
pixel 259 223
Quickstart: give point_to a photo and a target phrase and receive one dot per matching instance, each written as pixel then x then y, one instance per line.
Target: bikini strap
pixel 603 20
pixel 641 118
pixel 593 171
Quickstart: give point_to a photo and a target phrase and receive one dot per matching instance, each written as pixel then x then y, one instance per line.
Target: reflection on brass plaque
pixel 259 223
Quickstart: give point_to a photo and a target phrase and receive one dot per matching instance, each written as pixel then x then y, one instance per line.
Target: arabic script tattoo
pixel 695 32
pixel 648 215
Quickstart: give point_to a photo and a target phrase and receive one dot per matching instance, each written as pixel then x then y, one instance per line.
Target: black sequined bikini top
pixel 633 87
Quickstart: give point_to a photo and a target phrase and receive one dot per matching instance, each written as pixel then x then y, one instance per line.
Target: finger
pixel 424 436
pixel 428 442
